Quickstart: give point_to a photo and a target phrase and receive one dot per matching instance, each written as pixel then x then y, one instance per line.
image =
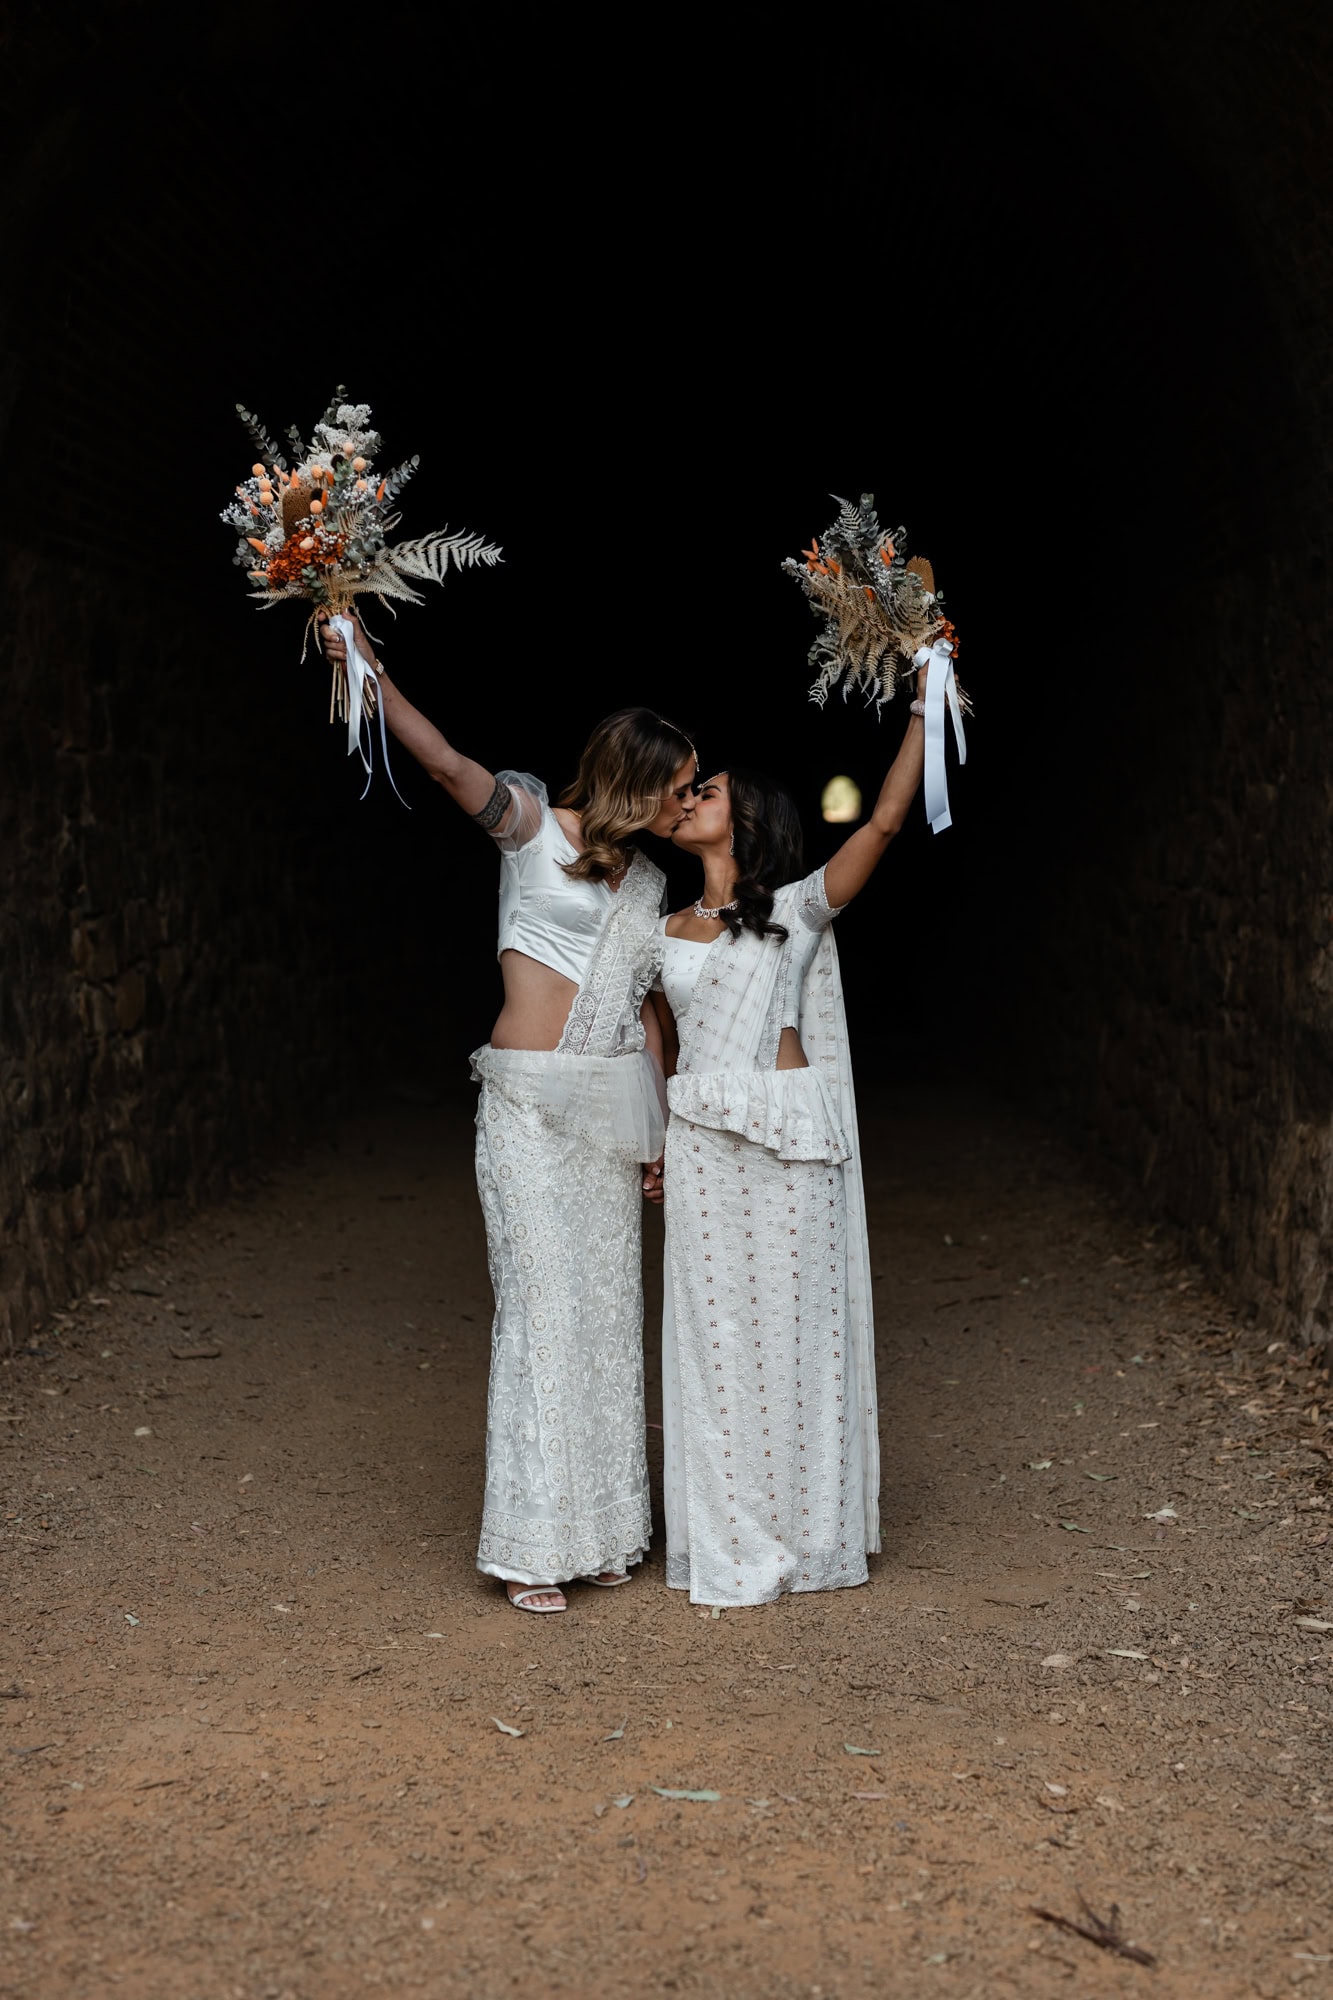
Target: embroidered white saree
pixel 559 1140
pixel 770 1415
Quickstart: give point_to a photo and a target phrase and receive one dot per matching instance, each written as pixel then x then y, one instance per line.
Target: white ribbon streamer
pixel 359 671
pixel 941 690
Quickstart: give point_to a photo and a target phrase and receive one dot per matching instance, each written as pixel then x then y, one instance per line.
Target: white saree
pixel 559 1140
pixel 769 1405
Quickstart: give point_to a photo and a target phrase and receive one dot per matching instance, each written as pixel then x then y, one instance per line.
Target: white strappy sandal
pixel 526 1600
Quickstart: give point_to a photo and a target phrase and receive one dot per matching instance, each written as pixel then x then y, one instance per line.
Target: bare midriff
pixel 790 1053
pixel 536 1004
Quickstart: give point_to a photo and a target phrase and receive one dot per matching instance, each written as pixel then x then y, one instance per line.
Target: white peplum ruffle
pixel 791 1112
pixel 616 1103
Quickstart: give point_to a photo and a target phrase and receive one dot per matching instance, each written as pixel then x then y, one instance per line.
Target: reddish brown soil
pixel 250 1742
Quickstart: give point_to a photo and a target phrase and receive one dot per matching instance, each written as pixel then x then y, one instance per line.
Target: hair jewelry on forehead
pixel 684 734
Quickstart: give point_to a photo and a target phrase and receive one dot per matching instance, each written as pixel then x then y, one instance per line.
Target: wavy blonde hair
pixel 625 771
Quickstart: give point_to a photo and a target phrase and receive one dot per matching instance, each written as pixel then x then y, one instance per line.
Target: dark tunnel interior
pixel 642 299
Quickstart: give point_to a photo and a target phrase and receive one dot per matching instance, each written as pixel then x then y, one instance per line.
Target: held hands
pixel 652 1180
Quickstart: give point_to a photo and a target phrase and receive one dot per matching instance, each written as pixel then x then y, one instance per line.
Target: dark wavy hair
pixel 769 849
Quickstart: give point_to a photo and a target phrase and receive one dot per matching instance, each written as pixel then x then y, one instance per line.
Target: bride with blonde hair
pixel 571 1109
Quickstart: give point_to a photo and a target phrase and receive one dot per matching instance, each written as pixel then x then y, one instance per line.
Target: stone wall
pixel 170 1001
pixel 1199 962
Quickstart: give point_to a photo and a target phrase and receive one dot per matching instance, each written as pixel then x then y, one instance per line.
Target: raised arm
pixel 462 777
pixel 860 854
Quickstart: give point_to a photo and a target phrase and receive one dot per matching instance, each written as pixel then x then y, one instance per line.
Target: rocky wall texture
pixel 168 1004
pixel 1200 963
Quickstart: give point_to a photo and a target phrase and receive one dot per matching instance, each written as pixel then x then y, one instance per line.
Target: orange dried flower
pixel 300 552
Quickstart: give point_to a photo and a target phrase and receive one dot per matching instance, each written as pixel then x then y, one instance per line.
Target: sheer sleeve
pixel 520 815
pixel 812 905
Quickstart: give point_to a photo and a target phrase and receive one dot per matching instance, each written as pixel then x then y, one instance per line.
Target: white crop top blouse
pixel 682 962
pixel 544 913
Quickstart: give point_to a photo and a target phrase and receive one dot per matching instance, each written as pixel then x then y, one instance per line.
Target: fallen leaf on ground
pixel 1073 1528
pixel 872 1795
pixel 668 1792
pixel 1101 1475
pixel 1058 1660
pixel 507 1727
pixel 855 1750
pixel 616 1734
pixel 1040 1464
pixel 628 1800
pixel 1056 1791
pixel 1315 1624
pixel 130 1618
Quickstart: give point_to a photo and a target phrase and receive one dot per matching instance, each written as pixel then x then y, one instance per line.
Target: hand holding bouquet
pixel 883 620
pixel 317 528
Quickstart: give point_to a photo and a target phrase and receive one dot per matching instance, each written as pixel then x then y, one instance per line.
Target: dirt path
pixel 253 1682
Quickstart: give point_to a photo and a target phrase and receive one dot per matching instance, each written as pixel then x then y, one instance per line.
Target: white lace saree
pixel 769 1405
pixel 559 1140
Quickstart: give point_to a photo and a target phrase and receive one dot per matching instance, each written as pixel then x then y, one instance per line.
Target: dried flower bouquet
pixel 317 528
pixel 878 609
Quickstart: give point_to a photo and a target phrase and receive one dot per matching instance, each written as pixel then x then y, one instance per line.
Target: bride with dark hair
pixel 570 1111
pixel 768 1363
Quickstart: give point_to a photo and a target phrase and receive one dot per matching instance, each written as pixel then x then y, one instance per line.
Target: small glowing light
pixel 840 801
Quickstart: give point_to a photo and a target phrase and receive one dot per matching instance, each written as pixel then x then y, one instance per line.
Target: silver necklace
pixel 720 911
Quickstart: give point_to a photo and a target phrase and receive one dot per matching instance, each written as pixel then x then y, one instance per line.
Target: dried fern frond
pixel 430 555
